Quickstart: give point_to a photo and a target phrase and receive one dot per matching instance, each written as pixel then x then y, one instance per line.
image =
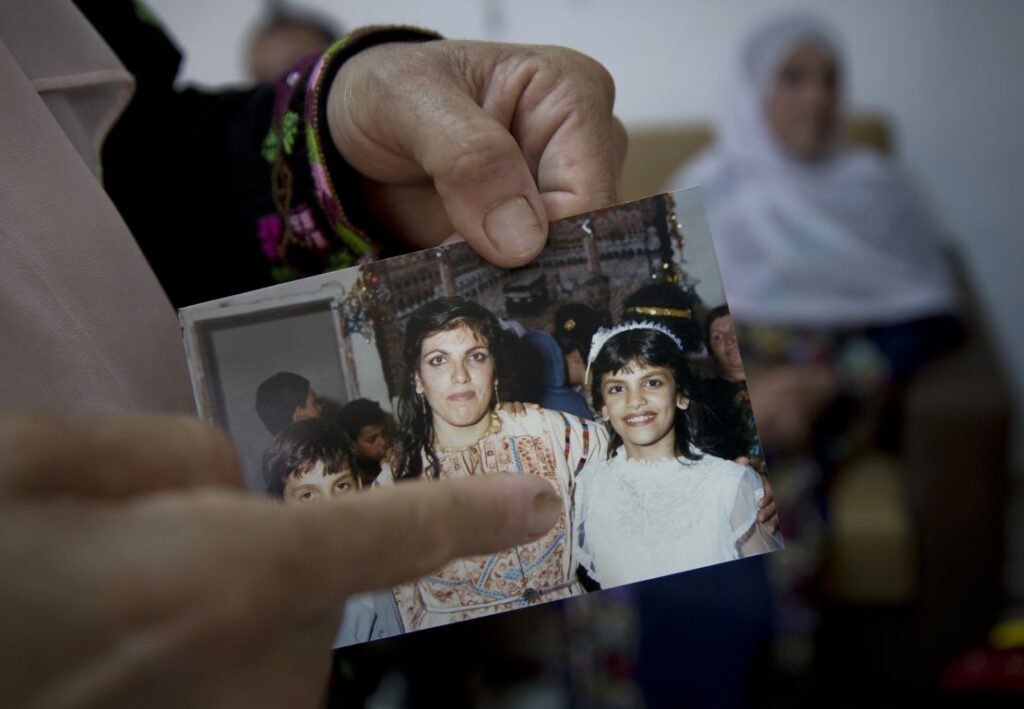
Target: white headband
pixel 602 336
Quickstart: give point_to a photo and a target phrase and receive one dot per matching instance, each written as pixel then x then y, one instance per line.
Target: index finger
pixel 387 536
pixel 113 455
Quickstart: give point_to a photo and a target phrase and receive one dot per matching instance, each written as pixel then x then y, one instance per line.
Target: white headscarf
pixel 843 241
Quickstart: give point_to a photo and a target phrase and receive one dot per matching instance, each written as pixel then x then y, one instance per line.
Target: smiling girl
pixel 658 504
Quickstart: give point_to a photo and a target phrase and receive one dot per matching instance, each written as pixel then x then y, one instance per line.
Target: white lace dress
pixel 636 519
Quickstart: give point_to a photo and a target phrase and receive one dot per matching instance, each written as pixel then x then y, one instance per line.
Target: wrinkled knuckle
pixel 594 73
pixel 478 155
pixel 604 79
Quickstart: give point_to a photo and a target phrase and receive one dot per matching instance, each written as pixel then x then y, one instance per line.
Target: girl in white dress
pixel 657 505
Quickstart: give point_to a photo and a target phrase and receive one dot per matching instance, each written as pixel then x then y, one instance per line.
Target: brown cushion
pixel 657 152
pixel 872 555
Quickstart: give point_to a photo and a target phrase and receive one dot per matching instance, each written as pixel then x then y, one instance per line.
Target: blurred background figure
pixel 547 364
pixel 842 290
pixel 678 309
pixel 369 429
pixel 285 398
pixel 574 326
pixel 284 35
pixel 733 433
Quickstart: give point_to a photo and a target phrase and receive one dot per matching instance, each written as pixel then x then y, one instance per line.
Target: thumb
pixel 483 179
pixel 417 118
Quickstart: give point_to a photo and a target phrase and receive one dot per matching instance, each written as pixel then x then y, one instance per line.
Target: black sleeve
pixel 234 190
pixel 184 167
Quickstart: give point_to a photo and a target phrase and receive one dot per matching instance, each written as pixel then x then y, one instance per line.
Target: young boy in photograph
pixel 367 426
pixel 314 461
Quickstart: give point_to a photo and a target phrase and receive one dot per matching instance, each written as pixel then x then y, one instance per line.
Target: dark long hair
pixel 300 446
pixel 656 349
pixel 415 421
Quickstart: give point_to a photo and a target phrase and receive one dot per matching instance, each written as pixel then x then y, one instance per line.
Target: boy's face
pixel 372 443
pixel 318 484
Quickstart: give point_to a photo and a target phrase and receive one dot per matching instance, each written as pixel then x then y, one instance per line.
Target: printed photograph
pixel 608 366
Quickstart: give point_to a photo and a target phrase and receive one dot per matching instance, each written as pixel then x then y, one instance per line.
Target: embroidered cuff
pixel 315 192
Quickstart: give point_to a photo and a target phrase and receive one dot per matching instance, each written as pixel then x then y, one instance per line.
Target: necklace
pixel 492 428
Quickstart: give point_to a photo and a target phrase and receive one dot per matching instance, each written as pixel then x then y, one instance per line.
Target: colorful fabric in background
pixel 291 207
pixel 602 636
pixel 873 366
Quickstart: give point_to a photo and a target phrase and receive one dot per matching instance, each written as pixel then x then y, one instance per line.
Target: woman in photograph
pixel 658 504
pixel 449 426
pixel 732 425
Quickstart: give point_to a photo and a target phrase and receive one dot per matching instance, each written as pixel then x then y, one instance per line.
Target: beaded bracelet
pixel 312 231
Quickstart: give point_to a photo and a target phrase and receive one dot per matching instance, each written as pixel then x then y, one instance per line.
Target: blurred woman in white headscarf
pixel 834 269
pixel 836 279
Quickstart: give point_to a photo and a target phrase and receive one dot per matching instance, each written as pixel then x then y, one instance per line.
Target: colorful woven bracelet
pixel 314 190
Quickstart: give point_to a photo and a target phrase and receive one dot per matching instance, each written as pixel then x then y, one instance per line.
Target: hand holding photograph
pixel 607 366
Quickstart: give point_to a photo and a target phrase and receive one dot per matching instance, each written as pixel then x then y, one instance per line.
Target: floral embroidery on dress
pixel 542 570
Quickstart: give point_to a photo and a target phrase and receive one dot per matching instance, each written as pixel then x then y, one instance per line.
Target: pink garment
pixel 85 324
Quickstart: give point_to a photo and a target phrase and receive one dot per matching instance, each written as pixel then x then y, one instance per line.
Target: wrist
pixel 321 223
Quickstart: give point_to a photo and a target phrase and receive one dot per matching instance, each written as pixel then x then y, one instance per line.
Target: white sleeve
pixel 385 478
pixel 748 535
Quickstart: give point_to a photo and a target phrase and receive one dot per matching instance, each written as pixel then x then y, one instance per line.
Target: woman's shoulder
pixel 537 420
pixel 530 422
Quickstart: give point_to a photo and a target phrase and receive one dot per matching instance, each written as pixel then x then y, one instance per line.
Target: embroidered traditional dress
pixel 639 519
pixel 545 443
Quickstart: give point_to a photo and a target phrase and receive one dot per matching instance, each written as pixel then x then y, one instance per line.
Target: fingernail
pixel 544 512
pixel 514 228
